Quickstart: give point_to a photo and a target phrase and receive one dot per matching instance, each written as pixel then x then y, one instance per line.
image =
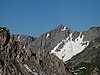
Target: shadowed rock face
pixel 19 57
pixel 4 36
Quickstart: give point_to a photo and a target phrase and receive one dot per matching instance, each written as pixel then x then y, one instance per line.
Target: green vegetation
pixel 97 40
pixel 83 69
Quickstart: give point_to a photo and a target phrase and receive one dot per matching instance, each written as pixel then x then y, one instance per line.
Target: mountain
pixel 60 51
pixel 20 56
pixel 74 48
pixel 64 42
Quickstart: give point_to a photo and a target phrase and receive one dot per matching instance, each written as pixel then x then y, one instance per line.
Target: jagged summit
pixel 60 26
pixel 3 28
pixel 63 28
pixel 48 40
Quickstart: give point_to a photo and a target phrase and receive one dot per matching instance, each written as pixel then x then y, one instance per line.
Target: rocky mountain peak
pixel 60 26
pixel 63 28
pixel 20 56
pixel 49 40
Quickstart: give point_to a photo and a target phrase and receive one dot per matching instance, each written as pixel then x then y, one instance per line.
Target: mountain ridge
pixel 60 51
pixel 62 33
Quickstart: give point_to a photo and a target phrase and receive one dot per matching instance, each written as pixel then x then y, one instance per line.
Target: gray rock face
pixel 92 33
pixel 54 37
pixel 75 35
pixel 20 57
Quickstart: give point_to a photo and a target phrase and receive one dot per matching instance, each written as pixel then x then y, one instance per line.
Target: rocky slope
pixel 60 51
pixel 20 56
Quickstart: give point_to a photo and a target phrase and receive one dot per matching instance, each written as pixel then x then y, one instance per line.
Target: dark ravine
pixel 26 55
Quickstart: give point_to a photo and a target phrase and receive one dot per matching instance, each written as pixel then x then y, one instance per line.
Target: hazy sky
pixel 34 17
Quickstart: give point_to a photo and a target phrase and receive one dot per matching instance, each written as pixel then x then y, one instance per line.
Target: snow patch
pixel 82 68
pixel 17 60
pixel 47 35
pixel 75 73
pixel 70 48
pixel 18 38
pixel 24 47
pixel 34 73
pixel 63 29
pixel 2 29
pixel 19 73
pixel 27 68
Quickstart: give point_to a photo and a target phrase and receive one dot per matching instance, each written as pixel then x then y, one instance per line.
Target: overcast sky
pixel 35 17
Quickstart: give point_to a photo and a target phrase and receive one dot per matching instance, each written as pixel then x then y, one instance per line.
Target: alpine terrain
pixel 60 51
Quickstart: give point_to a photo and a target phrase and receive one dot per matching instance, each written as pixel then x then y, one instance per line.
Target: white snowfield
pixel 70 47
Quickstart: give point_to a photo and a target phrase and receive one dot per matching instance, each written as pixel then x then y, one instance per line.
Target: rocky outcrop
pixel 4 36
pixel 24 38
pixel 91 34
pixel 20 56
